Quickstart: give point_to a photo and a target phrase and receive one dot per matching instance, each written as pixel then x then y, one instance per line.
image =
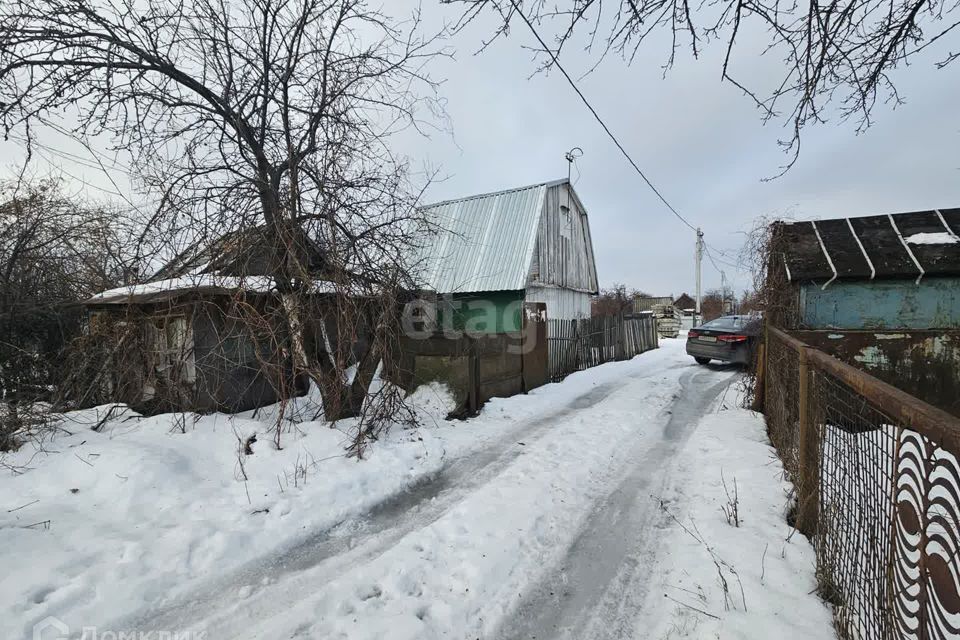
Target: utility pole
pixel 699 258
pixel 723 294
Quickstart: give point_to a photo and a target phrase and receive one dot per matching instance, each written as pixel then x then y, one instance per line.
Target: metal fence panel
pixel 885 483
pixel 781 402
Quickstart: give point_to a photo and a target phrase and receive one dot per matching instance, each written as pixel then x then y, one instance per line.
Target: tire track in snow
pixel 601 585
pixel 367 536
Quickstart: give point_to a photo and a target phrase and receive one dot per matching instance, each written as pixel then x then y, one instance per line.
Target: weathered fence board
pixel 575 345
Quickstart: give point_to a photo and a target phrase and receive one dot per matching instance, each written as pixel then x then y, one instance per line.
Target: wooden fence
pixel 575 345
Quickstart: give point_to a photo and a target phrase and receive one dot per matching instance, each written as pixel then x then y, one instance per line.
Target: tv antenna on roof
pixel 571 157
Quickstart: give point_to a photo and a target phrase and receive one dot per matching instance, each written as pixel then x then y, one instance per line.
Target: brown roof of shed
pixel 249 252
pixel 884 246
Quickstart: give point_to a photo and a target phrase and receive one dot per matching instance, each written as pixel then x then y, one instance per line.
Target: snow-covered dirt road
pixel 540 518
pixel 518 495
pixel 599 586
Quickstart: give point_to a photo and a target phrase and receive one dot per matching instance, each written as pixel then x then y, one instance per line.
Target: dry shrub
pixel 22 422
pixel 771 293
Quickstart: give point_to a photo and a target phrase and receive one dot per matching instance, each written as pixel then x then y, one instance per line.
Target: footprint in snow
pixel 373 592
pixel 41 595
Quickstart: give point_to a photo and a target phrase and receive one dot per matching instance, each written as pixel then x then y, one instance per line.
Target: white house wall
pixel 563 255
pixel 562 304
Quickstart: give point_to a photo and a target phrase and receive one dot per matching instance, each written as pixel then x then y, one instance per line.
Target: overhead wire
pixel 714 260
pixel 556 62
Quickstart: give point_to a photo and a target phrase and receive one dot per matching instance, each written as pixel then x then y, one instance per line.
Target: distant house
pixel 880 292
pixel 528 244
pixel 686 304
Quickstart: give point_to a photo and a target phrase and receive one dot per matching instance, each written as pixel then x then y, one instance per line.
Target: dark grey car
pixel 727 339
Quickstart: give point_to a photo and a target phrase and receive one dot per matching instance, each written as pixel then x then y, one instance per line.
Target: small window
pixel 170 342
pixel 239 349
pixel 565 222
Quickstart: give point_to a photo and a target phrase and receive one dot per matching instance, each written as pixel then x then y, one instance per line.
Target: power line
pixel 556 62
pixel 95 164
pixel 715 260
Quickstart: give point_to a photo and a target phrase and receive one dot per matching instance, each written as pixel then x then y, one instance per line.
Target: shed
pixel 208 332
pixel 881 292
pixel 501 264
pixel 527 244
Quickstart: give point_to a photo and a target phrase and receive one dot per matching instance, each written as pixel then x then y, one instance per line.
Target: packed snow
pixel 447 530
pixel 751 577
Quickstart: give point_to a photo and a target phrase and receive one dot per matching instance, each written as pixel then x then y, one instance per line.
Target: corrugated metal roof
pixel 485 242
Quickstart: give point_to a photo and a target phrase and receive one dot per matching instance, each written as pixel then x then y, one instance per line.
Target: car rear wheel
pixel 701 360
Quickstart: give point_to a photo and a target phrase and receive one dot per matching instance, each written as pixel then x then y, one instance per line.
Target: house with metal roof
pixel 879 292
pixel 528 244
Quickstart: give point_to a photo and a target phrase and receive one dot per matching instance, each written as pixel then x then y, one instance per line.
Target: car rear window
pixel 727 323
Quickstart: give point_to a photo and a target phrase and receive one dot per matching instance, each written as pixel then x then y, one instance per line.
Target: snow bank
pixel 108 526
pixel 769 569
pixel 101 524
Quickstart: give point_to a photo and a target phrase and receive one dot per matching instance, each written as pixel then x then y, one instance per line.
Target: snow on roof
pixel 899 245
pixel 209 283
pixel 932 238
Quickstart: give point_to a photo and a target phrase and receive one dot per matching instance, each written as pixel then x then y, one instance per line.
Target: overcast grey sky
pixel 699 140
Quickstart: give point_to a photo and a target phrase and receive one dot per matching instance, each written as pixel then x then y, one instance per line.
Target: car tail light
pixel 693 334
pixel 732 338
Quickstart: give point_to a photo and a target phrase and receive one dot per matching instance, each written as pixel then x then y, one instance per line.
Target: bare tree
pixel 54 251
pixel 614 300
pixel 244 113
pixel 711 304
pixel 833 52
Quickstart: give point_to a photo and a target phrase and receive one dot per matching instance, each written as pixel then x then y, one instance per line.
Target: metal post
pixel 807 455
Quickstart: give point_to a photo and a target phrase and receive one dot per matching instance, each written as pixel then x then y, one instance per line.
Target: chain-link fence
pixel 878 491
pixel 782 387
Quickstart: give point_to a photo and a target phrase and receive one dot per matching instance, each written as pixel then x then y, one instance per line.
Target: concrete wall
pixel 934 303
